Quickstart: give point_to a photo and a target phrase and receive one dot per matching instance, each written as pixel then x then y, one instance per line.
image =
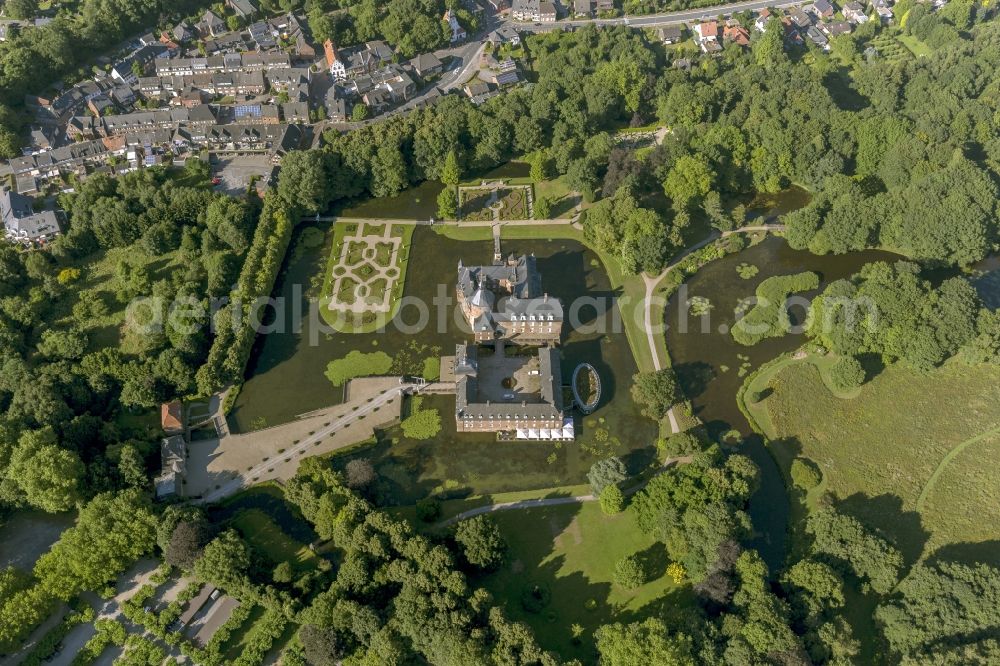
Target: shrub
pixel 805 474
pixel 629 573
pixel 847 374
pixel 428 509
pixel 681 444
pixel 607 472
pixel 612 500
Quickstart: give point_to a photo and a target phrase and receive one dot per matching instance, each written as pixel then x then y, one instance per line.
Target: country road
pixel 657 20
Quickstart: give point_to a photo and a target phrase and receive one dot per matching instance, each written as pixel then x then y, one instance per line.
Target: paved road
pixel 653 281
pixel 236 484
pixel 666 18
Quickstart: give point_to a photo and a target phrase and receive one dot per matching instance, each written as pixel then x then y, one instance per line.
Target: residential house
pixel 125 71
pixel 541 11
pixel 821 9
pixel 100 105
pixel 884 10
pixel 173 48
pixel 377 100
pixel 799 18
pixel 855 13
pixel 303 48
pixel 351 63
pixel 605 7
pixel 836 28
pixel 231 42
pixel 336 108
pixel 123 96
pixel 671 34
pixel 458 33
pixel 426 65
pixel 504 36
pixel 22 224
pixel 817 37
pixel 41 139
pixel 245 9
pixel 479 92
pixel 172 417
pixel 289 78
pixel 211 24
pixel 295 112
pixel 706 34
pixel 737 34
pixel 583 8
pixel 763 18
pixel 263 36
pixel 231 62
pixel 81 127
pixel 256 114
pixel 182 32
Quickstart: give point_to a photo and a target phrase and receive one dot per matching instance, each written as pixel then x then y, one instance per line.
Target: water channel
pixel 711 366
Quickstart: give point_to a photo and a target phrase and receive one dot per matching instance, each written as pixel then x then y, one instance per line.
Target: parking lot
pixel 236 173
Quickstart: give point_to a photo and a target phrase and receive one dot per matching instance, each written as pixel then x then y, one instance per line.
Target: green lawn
pixel 258 529
pixel 571 551
pixel 879 450
pixel 560 194
pixel 917 47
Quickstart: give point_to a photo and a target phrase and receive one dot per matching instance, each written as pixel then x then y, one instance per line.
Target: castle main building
pixel 505 301
pixel 510 388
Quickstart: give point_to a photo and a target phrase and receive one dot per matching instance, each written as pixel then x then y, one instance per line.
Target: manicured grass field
pixel 258 529
pixel 571 550
pixel 878 451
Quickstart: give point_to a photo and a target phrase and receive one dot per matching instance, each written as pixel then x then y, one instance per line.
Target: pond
pixel 416 203
pixel 767 207
pixel 711 366
pixel 285 375
pixel 419 202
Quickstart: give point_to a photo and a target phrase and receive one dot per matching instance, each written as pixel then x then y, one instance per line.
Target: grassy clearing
pixel 571 551
pixel 560 194
pixel 258 529
pixel 879 450
pixel 916 47
pixel 963 504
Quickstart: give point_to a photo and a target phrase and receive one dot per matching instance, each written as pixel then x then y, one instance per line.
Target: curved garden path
pixel 555 501
pixel 652 282
pixel 951 455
